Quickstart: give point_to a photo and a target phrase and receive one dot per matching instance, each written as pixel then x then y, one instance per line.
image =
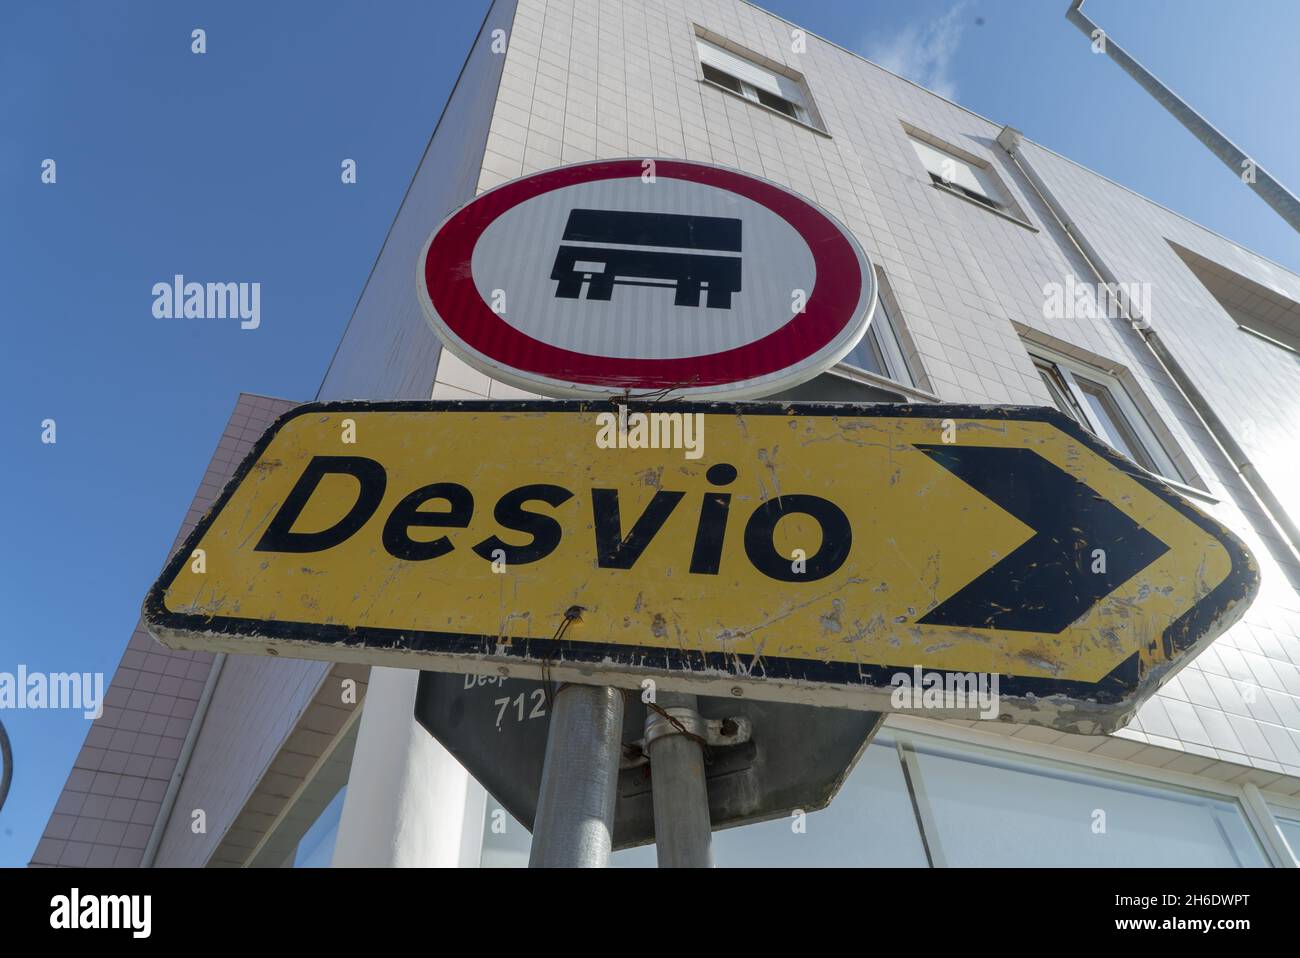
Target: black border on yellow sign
pixel 1241 583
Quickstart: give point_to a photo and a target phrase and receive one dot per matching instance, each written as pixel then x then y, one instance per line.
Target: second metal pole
pixel 683 832
pixel 574 827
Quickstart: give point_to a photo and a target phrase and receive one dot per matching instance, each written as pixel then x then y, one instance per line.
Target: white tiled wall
pixel 589 79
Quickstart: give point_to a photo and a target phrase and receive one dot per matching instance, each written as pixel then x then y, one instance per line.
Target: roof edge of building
pixel 1028 139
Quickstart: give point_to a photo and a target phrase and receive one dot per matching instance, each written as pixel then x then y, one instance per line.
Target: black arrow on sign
pixel 1047 582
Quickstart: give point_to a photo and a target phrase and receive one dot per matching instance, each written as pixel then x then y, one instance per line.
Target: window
pixel 1289 826
pixel 762 85
pixel 1099 403
pixel 879 351
pixel 832 386
pixel 971 180
pixel 714 75
pixel 981 807
pixel 870 823
pixel 915 800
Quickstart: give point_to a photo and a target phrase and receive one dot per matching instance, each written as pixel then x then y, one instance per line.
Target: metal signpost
pixel 674 736
pixel 580 778
pixel 699 577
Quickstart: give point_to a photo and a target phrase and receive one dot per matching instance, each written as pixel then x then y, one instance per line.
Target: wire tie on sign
pixel 676 723
pixel 654 395
pixel 572 614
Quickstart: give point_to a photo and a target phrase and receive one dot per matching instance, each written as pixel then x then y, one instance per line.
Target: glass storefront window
pixel 976 807
pixel 870 823
pixel 1288 824
pixel 989 809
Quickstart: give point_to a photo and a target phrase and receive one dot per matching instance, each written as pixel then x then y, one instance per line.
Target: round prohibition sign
pixel 634 276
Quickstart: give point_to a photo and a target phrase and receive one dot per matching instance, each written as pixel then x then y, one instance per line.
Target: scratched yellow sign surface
pixel 805 553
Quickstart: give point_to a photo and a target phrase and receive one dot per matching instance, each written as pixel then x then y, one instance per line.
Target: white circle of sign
pixel 631 276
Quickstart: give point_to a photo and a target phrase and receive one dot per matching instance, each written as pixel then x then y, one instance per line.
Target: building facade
pixel 1008 274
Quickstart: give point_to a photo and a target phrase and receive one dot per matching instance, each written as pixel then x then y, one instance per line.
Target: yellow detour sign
pixel 965 559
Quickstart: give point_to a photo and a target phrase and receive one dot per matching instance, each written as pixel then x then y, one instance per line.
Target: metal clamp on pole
pixel 574 827
pixel 674 737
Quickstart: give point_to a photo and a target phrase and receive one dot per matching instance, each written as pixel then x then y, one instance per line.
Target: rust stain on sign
pixel 811 553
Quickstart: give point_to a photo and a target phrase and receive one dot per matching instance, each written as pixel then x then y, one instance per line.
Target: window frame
pixel 1143 438
pixel 803 111
pixel 1261 809
pixel 906 734
pixel 1278 814
pixel 912 734
pixel 882 339
pixel 991 193
pixel 753 94
pixel 988 191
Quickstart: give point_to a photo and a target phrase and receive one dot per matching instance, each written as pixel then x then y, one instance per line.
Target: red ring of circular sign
pixel 458 304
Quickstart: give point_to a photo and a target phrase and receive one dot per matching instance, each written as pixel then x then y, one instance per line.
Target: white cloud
pixel 923 52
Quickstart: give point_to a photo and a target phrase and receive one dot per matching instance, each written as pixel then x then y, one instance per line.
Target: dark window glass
pixel 1103 416
pixel 778 103
pixel 1062 398
pixel 1113 424
pixel 714 75
pixel 866 355
pixel 970 194
pixel 879 351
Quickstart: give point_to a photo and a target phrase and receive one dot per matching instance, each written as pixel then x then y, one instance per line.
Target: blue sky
pixel 226 166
